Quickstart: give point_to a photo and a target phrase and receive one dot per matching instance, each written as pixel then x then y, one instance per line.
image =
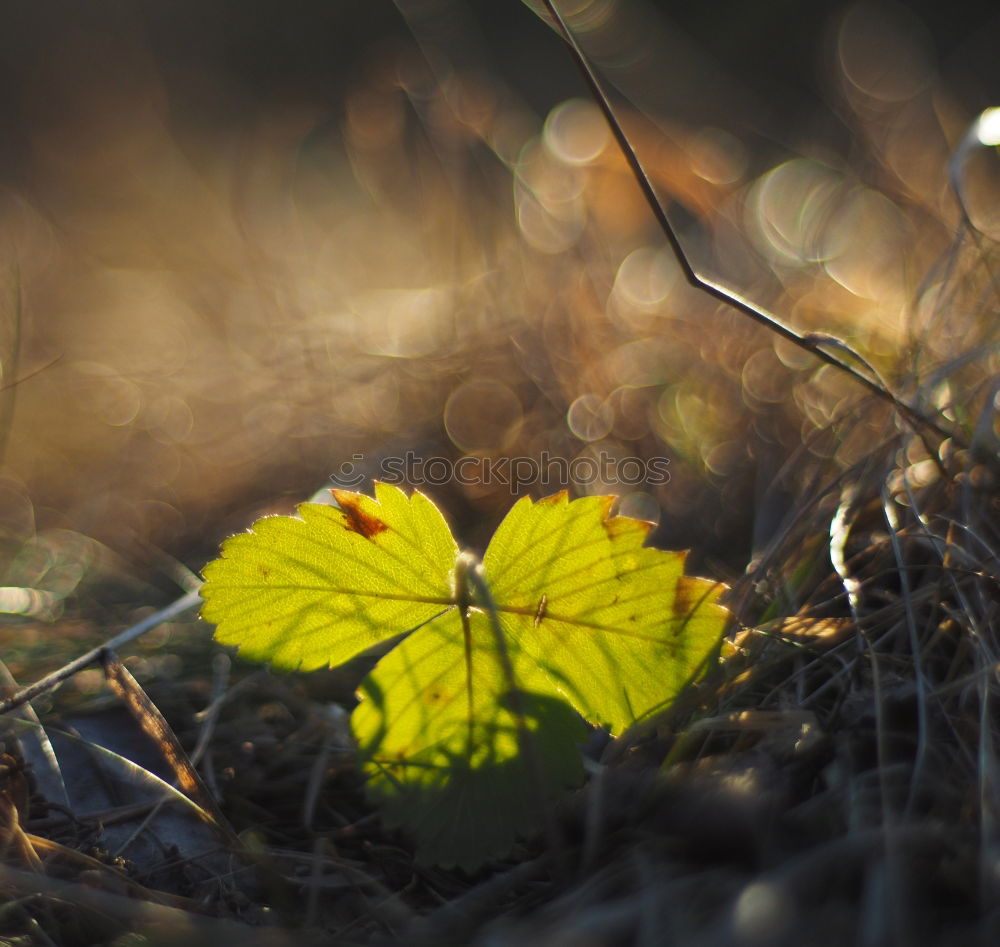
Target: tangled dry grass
pixel 225 339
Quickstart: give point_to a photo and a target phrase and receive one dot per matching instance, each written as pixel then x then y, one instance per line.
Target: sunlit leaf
pixel 470 724
pixel 616 626
pixel 315 590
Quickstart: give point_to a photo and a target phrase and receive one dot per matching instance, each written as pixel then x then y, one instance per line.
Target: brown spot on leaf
pixel 682 601
pixel 616 526
pixel 356 519
pixel 554 499
pixel 692 593
pixel 435 695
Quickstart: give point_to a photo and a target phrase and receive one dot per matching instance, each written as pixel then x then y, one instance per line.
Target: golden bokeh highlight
pixel 209 318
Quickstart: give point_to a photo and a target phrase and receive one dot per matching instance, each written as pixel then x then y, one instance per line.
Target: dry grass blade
pixel 155 726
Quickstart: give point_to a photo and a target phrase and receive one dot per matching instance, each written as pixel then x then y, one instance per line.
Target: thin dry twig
pixel 184 604
pixel 810 343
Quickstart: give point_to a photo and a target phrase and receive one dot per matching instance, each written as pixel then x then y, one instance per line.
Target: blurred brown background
pixel 242 243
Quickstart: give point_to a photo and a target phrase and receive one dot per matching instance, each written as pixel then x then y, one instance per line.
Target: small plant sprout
pixel 470 724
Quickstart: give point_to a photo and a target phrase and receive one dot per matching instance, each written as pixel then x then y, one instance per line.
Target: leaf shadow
pixel 462 810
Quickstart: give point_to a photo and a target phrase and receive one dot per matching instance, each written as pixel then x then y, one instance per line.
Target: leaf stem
pixel 473 575
pixel 464 565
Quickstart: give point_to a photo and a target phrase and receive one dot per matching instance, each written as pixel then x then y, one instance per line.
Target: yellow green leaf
pixel 470 724
pixel 315 590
